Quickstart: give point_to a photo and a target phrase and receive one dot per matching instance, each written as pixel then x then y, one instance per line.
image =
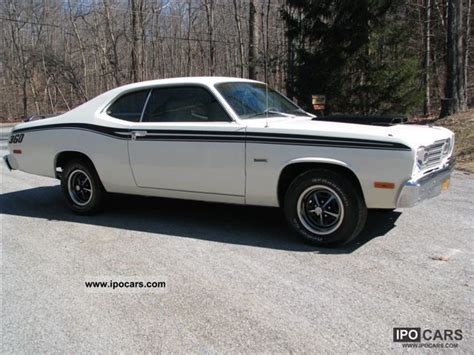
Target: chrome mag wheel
pixel 320 210
pixel 80 187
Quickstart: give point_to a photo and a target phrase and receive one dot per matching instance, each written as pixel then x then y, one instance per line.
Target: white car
pixel 234 141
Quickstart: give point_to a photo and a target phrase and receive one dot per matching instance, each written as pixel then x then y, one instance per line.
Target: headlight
pixel 421 156
pixel 447 146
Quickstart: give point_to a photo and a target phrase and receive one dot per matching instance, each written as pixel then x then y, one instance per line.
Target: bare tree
pixel 56 54
pixel 111 35
pixel 19 52
pixel 253 40
pixel 72 19
pixel 238 24
pixel 455 88
pixel 467 45
pixel 427 56
pixel 266 37
pixel 134 76
pixel 209 6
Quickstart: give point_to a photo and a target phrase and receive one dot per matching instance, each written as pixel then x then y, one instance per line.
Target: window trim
pixel 229 117
pixel 119 96
pixel 145 104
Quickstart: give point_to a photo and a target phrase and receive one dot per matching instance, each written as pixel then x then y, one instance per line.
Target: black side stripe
pixel 226 137
pixel 84 126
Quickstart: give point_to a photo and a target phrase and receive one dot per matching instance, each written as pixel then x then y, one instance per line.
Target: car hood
pixel 408 134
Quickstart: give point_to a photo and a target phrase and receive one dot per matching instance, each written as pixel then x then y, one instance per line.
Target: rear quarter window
pixel 129 107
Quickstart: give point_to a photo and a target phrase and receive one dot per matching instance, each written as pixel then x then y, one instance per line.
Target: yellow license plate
pixel 445 185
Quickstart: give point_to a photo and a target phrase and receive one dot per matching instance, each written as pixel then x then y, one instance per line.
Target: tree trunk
pixel 427 54
pixel 134 51
pixel 81 47
pixel 455 87
pixel 253 40
pixel 239 37
pixel 110 32
pixel 467 45
pixel 25 97
pixel 210 27
pixel 289 64
pixel 188 37
pixel 267 40
pixel 141 42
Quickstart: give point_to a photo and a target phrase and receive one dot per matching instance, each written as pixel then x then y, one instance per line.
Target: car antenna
pixel 266 105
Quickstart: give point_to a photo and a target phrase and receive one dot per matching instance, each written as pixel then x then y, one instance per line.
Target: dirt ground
pixel 462 124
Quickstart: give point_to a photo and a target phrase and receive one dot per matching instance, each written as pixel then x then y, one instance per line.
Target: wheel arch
pixel 296 167
pixel 63 157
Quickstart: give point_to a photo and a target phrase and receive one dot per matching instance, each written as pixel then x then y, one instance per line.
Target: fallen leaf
pixel 440 258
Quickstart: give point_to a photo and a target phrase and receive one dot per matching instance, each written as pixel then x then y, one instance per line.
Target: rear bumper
pixel 416 191
pixel 7 162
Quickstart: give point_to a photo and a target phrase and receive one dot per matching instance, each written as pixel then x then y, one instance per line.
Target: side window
pixel 183 104
pixel 129 107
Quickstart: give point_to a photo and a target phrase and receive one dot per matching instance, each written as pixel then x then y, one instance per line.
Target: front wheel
pixel 82 188
pixel 325 207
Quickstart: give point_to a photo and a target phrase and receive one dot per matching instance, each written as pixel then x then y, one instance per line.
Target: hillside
pixel 462 124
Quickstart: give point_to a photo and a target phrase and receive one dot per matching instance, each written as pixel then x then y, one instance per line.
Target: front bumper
pixel 415 191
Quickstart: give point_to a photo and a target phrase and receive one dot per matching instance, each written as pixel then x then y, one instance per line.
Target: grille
pixel 435 152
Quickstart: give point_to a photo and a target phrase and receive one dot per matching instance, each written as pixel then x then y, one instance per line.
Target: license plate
pixel 445 185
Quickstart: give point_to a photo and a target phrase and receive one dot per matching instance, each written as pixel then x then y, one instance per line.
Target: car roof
pixel 206 80
pixel 99 102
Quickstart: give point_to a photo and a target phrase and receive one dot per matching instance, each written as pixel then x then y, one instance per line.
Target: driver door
pixel 187 142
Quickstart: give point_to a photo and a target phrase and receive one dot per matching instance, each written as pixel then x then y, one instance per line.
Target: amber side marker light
pixel 16 151
pixel 384 185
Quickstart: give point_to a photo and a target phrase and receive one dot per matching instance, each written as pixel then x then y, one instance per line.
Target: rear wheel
pixel 325 208
pixel 81 187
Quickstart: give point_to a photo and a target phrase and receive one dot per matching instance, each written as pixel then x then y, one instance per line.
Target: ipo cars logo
pixel 406 335
pixel 428 337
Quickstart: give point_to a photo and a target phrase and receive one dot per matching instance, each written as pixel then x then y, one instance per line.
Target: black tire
pixel 77 177
pixel 318 225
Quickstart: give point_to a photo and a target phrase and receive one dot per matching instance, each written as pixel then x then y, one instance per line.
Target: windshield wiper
pixel 301 111
pixel 274 112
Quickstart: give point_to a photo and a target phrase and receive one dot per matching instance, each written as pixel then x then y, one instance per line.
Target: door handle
pixel 136 134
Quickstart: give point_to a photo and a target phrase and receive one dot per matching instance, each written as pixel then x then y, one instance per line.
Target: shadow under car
pixel 262 227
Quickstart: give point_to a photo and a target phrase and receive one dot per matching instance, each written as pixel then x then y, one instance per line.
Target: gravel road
pixel 237 279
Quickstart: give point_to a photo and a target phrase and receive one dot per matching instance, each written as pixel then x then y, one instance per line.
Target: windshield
pixel 250 100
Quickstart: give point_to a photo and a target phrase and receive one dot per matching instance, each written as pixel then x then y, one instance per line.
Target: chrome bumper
pixel 7 163
pixel 415 191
